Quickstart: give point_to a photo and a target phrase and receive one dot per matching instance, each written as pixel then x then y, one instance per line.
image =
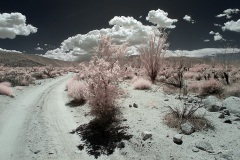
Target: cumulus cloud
pixel 232 26
pixel 124 30
pixel 9 51
pixel 228 13
pixel 39 49
pixel 203 52
pixel 159 18
pixel 13 24
pixel 217 25
pixel 217 36
pixel 189 19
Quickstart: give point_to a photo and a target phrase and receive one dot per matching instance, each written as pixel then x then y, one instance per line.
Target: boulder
pixel 221 116
pixel 187 128
pixel 212 104
pixel 177 139
pixel 146 135
pixel 232 104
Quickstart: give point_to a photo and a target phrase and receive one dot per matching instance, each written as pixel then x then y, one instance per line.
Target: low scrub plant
pixel 142 84
pixel 193 87
pixel 8 84
pixel 186 113
pixel 6 90
pixel 77 91
pixel 211 87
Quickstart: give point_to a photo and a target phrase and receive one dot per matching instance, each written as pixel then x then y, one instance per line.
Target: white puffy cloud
pixel 228 13
pixel 13 24
pixel 217 25
pixel 232 26
pixel 39 49
pixel 188 18
pixel 217 36
pixel 9 51
pixel 124 30
pixel 203 52
pixel 159 17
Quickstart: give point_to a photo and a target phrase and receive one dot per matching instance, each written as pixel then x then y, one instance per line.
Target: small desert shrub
pixel 5 90
pixel 210 87
pixel 186 113
pixel 169 89
pixel 193 87
pixel 199 67
pixel 142 84
pixel 190 75
pixel 198 77
pixel 8 84
pixel 20 88
pixel 77 91
pixel 233 90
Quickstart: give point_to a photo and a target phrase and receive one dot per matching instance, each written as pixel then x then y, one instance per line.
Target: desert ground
pixel 37 122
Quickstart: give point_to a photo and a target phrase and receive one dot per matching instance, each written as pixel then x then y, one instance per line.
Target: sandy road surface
pixel 35 124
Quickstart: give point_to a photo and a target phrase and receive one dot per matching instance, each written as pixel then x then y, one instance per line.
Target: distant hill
pixel 29 60
pixel 232 57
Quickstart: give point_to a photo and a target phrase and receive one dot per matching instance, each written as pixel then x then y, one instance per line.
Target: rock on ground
pixel 232 104
pixel 212 104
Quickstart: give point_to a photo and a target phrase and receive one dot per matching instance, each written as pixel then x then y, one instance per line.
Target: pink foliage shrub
pixel 5 90
pixel 20 88
pixel 190 75
pixel 8 84
pixel 199 68
pixel 102 75
pixel 77 90
pixel 152 55
pixel 193 87
pixel 142 84
pixel 102 89
pixel 211 87
pixel 109 51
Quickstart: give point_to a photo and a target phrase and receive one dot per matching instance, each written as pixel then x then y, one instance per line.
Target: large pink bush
pixel 103 91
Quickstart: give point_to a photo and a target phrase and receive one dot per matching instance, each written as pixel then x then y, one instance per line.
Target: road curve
pixel 35 124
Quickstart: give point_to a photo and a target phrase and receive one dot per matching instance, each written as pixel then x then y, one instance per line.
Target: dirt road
pixel 36 124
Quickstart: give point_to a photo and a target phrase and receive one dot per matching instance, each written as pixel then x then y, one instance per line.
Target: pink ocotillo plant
pixel 152 55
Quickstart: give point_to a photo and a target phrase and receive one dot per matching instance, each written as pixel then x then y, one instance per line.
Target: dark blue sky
pixel 57 20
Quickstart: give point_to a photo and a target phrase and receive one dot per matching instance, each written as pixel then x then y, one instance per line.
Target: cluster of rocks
pixel 133 105
pixel 228 107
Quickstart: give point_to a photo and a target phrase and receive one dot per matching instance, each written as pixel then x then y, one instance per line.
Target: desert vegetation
pixel 98 83
pixel 24 76
pixel 111 77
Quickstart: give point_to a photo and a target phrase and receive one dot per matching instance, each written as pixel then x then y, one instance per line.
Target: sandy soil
pixel 35 125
